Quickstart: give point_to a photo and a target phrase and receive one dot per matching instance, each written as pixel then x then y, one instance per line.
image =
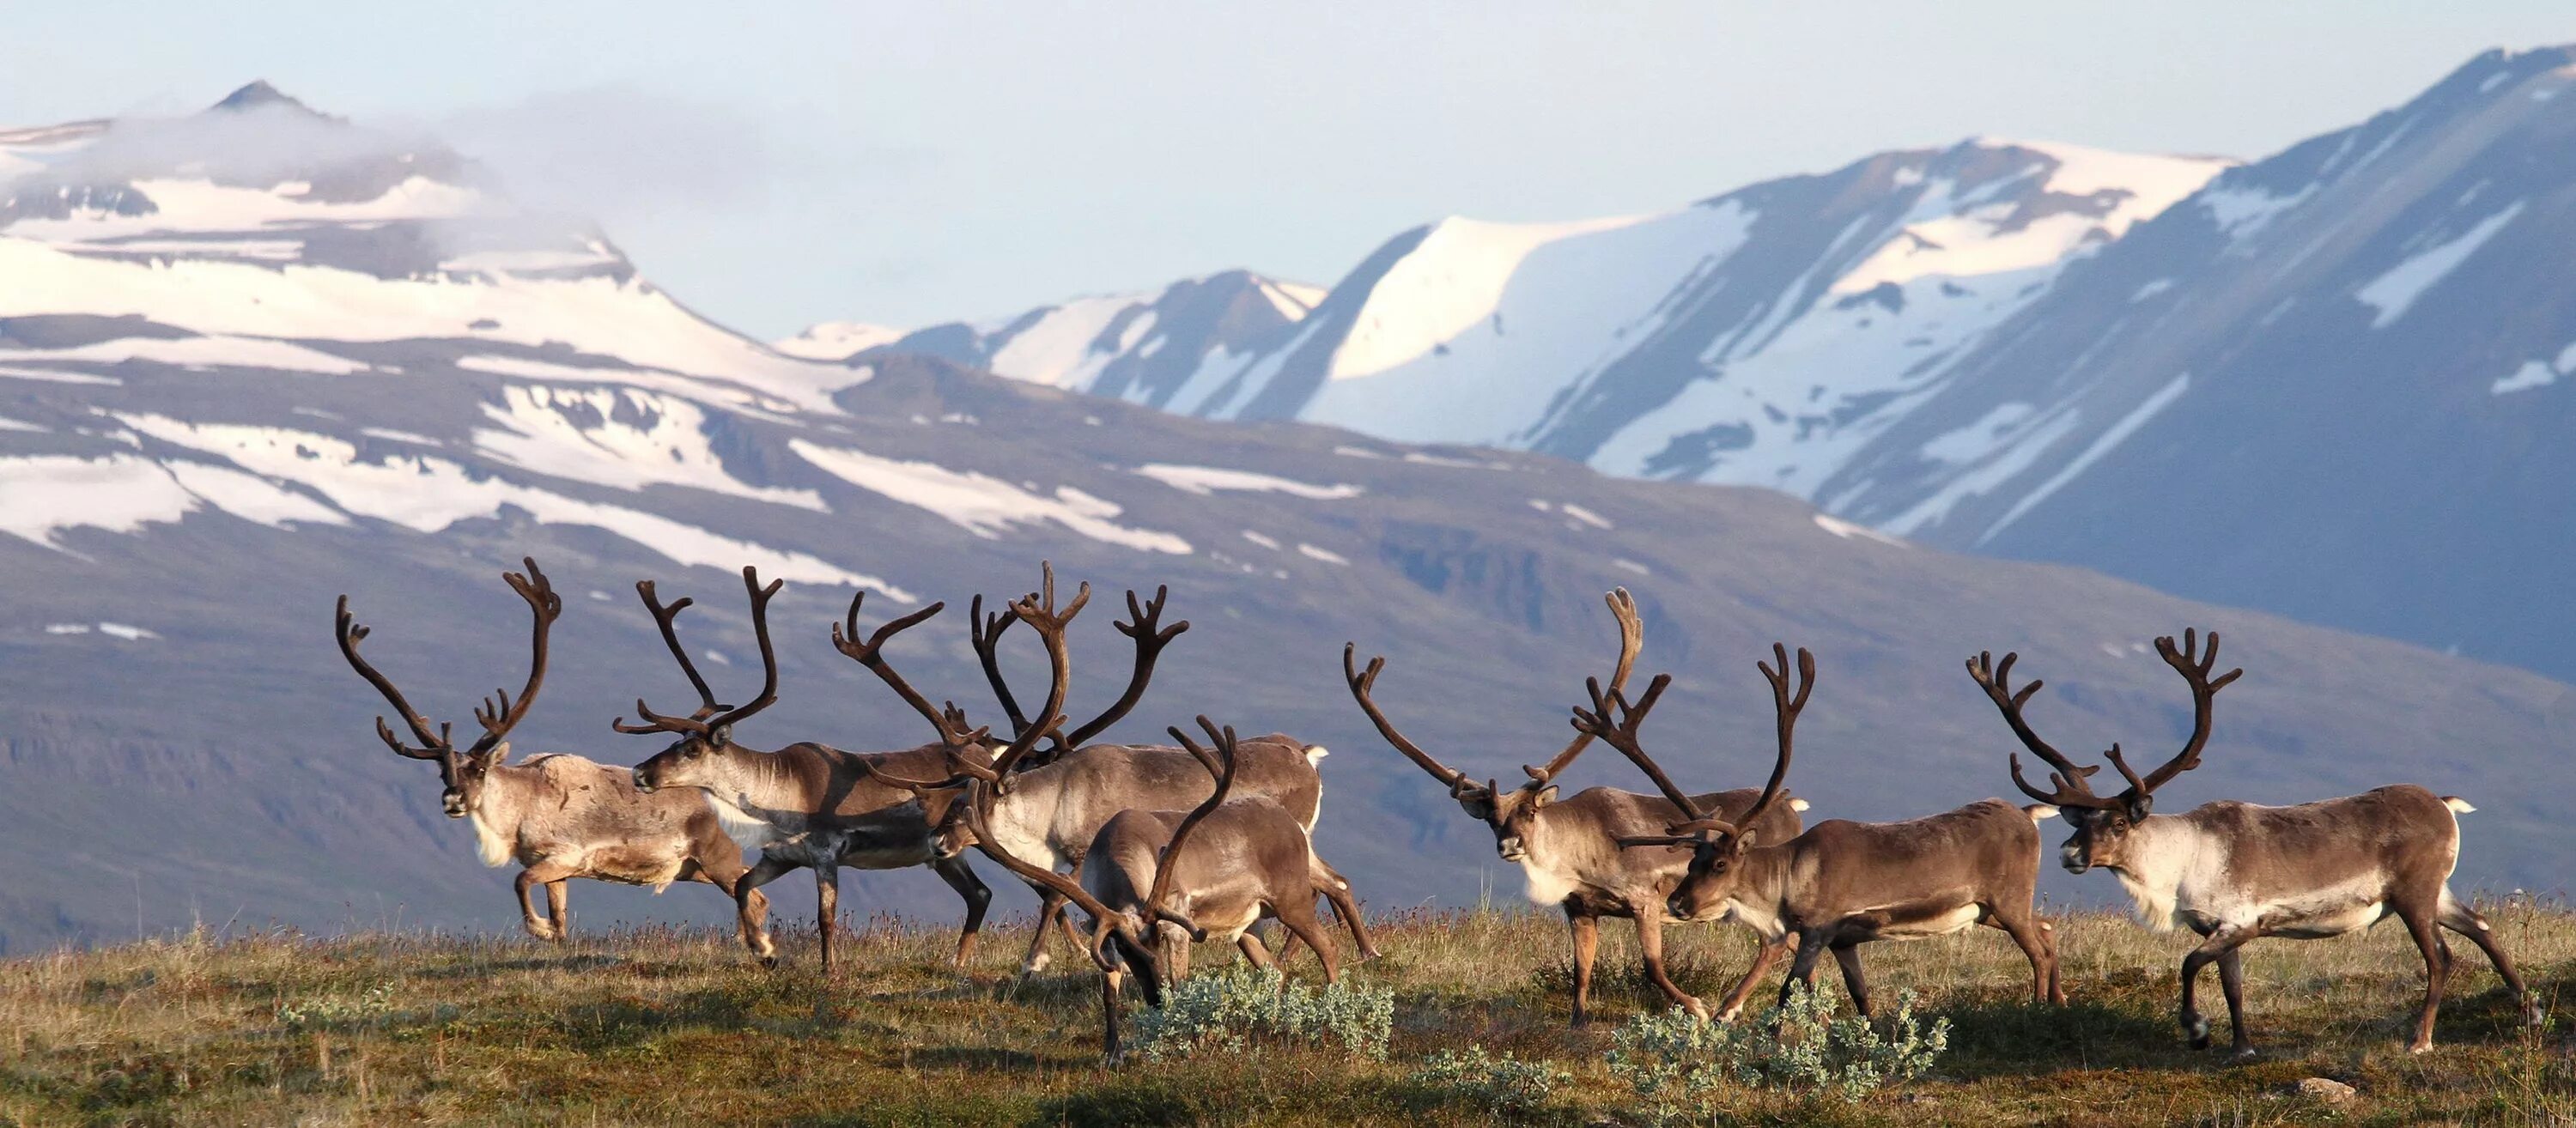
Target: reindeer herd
pixel 1166 846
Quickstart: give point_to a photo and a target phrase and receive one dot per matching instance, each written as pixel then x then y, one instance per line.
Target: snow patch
pixel 837 340
pixel 2111 437
pixel 2391 294
pixel 626 438
pixel 198 353
pixel 1259 539
pixel 1847 531
pixel 1326 555
pixel 981 504
pixel 1204 480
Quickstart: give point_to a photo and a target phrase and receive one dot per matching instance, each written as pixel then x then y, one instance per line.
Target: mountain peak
pixel 259 95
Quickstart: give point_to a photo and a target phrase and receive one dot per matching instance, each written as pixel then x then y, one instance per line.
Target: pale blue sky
pixel 909 163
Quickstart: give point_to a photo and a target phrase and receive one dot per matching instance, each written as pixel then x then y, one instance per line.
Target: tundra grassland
pixel 675 1026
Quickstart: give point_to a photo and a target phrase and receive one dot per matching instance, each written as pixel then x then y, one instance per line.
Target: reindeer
pixel 1050 813
pixel 1148 876
pixel 2232 872
pixel 560 817
pixel 806 804
pixel 1841 884
pixel 1569 849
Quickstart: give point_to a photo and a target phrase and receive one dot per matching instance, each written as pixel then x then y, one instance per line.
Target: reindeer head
pixel 462 774
pixel 1512 814
pixel 2104 824
pixel 704 747
pixel 1717 846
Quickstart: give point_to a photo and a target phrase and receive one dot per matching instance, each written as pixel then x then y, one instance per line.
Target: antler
pixel 1221 765
pixel 1785 707
pixel 2071 790
pixel 1038 610
pixel 1140 625
pixel 2194 669
pixel 985 631
pixel 1632 636
pixel 498 718
pixel 709 716
pixel 434 746
pixel 1361 684
pixel 870 652
pixel 1615 721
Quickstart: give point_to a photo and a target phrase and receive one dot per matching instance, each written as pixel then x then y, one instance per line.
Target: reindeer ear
pixel 1746 840
pixel 1543 797
pixel 720 736
pixel 499 753
pixel 2140 806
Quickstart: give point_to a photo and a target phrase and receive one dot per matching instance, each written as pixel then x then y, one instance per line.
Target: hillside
pixel 205 446
pixel 663 1027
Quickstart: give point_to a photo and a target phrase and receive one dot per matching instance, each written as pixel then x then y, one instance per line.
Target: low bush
pixel 1241 1007
pixel 1685 1066
pixel 1498 1083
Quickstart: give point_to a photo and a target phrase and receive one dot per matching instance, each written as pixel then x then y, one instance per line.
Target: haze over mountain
pixel 2307 384
pixel 256 357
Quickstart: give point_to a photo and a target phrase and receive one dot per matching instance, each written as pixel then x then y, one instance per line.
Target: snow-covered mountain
pixel 1757 337
pixel 250 359
pixel 1138 347
pixel 2334 383
pixel 2306 384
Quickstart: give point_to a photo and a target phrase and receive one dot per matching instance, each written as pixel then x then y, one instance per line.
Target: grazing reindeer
pixel 1049 814
pixel 806 804
pixel 1569 849
pixel 560 817
pixel 1842 884
pixel 1208 873
pixel 2233 872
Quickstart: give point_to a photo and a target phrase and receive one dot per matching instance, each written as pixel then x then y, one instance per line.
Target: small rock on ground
pixel 2326 1090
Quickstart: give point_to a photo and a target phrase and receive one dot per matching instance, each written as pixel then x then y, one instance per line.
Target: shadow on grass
pixel 1138 1101
pixel 482 969
pixel 1996 1039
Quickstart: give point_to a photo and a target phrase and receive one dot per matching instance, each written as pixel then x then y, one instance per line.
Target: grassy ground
pixel 670 1027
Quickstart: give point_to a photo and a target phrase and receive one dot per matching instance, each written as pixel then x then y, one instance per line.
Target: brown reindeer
pixel 2233 872
pixel 560 817
pixel 1569 849
pixel 1842 884
pixel 807 804
pixel 1208 873
pixel 1049 814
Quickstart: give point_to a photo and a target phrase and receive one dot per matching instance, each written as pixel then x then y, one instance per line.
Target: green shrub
pixel 1684 1065
pixel 335 1014
pixel 1240 1007
pixel 1498 1083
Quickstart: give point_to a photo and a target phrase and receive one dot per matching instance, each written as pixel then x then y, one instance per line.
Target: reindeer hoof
pixel 2417 1048
pixel 1698 1009
pixel 2196 1029
pixel 769 963
pixel 1036 964
pixel 2242 1055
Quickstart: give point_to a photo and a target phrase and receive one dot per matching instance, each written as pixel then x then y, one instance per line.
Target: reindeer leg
pixel 1767 952
pixel 2222 940
pixel 542 873
pixel 1650 952
pixel 1254 951
pixel 1109 983
pixel 2039 942
pixel 1847 955
pixel 1346 908
pixel 961 878
pixel 1802 969
pixel 1587 943
pixel 751 908
pixel 2467 922
pixel 827 907
pixel 558 893
pixel 1301 923
pixel 2437 974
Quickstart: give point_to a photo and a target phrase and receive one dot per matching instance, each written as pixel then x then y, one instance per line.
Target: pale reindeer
pixel 1049 814
pixel 1841 884
pixel 1569 849
pixel 804 805
pixel 2233 872
pixel 558 816
pixel 1154 882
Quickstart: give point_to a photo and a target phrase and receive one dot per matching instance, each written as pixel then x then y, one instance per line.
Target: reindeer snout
pixel 454 804
pixel 641 782
pixel 2072 857
pixel 1510 848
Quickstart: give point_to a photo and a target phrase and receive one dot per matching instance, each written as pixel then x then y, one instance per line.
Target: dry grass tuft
pixel 662 1026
